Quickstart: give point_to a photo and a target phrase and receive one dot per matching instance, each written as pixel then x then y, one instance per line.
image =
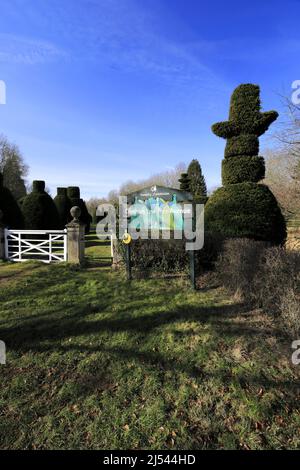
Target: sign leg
pixel 128 262
pixel 192 268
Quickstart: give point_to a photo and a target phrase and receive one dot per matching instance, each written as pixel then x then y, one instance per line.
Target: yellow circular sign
pixel 126 238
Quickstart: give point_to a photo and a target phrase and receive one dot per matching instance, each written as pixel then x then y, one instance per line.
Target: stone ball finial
pixel 75 213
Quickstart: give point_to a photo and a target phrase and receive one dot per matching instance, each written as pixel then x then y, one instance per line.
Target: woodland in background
pixel 283 163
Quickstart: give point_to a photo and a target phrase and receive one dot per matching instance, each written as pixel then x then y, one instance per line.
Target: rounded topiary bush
pixel 12 215
pixel 245 210
pixel 63 206
pixel 73 193
pixel 245 168
pixel 39 210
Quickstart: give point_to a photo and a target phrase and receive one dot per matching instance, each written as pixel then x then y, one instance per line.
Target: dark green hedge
pixel 39 210
pixel 12 215
pixel 245 210
pixel 63 206
pixel 243 168
pixel 157 255
pixel 170 256
pixel 73 193
pixel 208 255
pixel 244 144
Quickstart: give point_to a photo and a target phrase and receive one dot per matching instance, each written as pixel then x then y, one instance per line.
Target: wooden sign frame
pixel 167 194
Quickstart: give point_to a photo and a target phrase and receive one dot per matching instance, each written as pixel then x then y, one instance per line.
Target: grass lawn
pixel 95 362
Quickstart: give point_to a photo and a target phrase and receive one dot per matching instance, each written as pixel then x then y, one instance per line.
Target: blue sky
pixel 102 91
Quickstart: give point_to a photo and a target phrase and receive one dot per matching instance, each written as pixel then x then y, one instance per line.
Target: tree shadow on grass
pixel 97 243
pixel 179 364
pixel 102 379
pixel 48 334
pixel 30 334
pixel 17 272
pixel 97 262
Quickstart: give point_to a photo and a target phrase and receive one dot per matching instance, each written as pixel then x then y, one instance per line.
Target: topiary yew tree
pixel 73 193
pixel 39 210
pixel 242 207
pixel 184 182
pixel 12 215
pixel 63 206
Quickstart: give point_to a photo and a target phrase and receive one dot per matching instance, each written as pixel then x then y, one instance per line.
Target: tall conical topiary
pixel 197 182
pixel 63 206
pixel 73 193
pixel 39 210
pixel 242 207
pixel 184 182
pixel 12 215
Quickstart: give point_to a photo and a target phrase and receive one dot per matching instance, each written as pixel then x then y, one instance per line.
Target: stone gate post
pixel 75 238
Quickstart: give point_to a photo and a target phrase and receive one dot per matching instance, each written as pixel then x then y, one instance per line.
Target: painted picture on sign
pixel 158 208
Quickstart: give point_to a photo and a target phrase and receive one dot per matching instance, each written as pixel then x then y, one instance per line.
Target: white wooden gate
pixel 43 245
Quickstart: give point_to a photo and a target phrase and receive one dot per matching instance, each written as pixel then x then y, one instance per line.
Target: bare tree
pixel 283 162
pixel 13 168
pixel 113 196
pixel 92 205
pixel 165 178
pixel 288 134
pixel 280 177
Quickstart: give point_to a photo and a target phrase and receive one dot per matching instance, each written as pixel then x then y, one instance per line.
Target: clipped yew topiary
pixel 242 207
pixel 197 183
pixel 184 182
pixel 12 215
pixel 250 168
pixel 39 210
pixel 73 193
pixel 63 206
pixel 246 210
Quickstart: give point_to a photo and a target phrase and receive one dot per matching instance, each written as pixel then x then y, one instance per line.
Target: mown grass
pixel 97 250
pixel 95 362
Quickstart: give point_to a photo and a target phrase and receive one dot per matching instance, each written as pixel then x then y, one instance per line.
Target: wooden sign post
pixel 127 242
